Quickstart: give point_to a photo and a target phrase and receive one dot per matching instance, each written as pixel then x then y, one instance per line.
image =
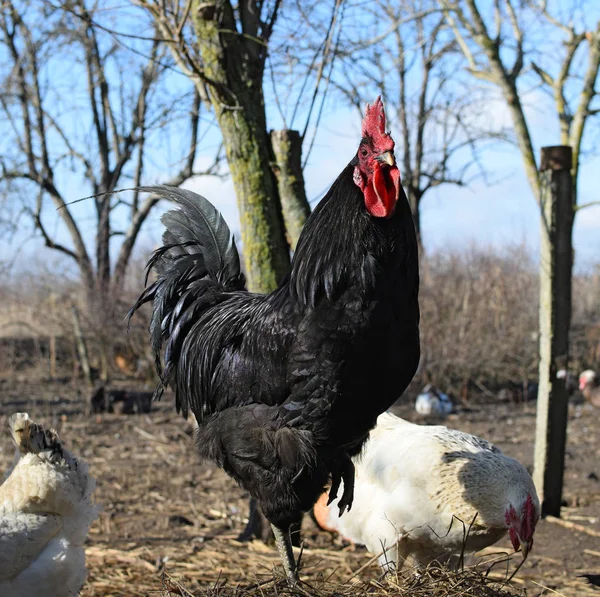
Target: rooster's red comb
pixel 373 127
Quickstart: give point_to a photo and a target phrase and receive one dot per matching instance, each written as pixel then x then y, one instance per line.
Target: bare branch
pixel 139 215
pixel 586 96
pixel 586 205
pixel 324 92
pixel 542 6
pixel 544 76
pixel 180 50
pixel 89 170
pixel 474 68
pixel 138 118
pixel 268 28
pixel 326 52
pixel 184 18
pixel 36 215
pixel 396 23
pixel 500 75
pixel 518 32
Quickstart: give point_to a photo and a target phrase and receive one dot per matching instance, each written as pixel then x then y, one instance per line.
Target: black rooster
pixel 286 386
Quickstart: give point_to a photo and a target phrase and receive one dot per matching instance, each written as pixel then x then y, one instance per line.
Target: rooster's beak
pixel 387 157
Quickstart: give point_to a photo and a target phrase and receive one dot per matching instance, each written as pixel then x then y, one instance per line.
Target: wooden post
pixel 81 346
pixel 556 258
pixel 53 336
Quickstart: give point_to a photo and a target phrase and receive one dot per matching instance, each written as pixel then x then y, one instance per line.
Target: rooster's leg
pixel 347 498
pixel 284 546
pixel 257 526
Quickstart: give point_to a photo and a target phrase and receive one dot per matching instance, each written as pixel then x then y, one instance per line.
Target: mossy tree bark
pixel 287 149
pixel 233 64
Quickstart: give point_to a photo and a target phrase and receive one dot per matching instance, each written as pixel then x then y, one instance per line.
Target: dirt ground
pixel 162 510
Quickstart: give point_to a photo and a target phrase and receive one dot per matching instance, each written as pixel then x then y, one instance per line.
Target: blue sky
pixel 503 213
pixel 500 214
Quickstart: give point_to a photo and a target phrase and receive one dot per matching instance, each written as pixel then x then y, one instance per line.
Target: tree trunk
pixel 235 71
pixel 414 200
pixel 556 259
pixel 287 149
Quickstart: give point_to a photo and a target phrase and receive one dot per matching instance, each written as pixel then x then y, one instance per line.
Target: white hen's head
pixel 521 522
pixel 497 487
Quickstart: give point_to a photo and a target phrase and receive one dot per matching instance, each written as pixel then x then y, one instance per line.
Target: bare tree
pixel 244 58
pixel 73 109
pixel 494 44
pixel 224 54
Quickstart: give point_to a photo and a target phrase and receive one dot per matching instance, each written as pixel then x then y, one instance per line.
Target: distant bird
pixel 570 380
pixel 419 488
pixel 433 403
pixel 589 384
pixel 122 401
pixel 287 385
pixel 46 509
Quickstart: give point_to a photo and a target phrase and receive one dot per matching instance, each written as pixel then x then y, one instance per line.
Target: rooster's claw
pixel 345 502
pixel 344 472
pixel 335 485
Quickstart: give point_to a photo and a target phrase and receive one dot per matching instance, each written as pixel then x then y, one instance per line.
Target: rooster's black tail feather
pixel 197 263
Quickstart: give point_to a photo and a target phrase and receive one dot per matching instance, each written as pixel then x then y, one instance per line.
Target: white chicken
pixel 589 384
pixel 419 489
pixel 433 403
pixel 46 510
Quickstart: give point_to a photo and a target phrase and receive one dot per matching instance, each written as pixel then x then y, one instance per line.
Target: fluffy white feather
pixel 419 487
pixel 46 510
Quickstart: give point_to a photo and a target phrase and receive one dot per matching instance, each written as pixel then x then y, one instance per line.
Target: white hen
pixel 417 485
pixel 46 510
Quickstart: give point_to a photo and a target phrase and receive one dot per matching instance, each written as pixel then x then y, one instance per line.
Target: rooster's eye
pixel 364 153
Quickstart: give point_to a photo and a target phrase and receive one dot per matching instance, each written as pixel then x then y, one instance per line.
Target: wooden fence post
pixel 81 346
pixel 556 259
pixel 52 347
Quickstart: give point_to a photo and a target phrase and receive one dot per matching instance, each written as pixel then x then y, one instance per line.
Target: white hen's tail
pixel 31 438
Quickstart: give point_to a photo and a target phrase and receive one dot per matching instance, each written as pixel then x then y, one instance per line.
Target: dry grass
pixel 435 581
pixel 168 524
pixel 253 572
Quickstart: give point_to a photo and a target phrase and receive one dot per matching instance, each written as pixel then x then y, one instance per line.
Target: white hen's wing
pixel 392 495
pixel 23 538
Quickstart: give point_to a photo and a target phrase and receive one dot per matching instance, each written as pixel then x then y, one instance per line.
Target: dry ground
pixel 162 510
